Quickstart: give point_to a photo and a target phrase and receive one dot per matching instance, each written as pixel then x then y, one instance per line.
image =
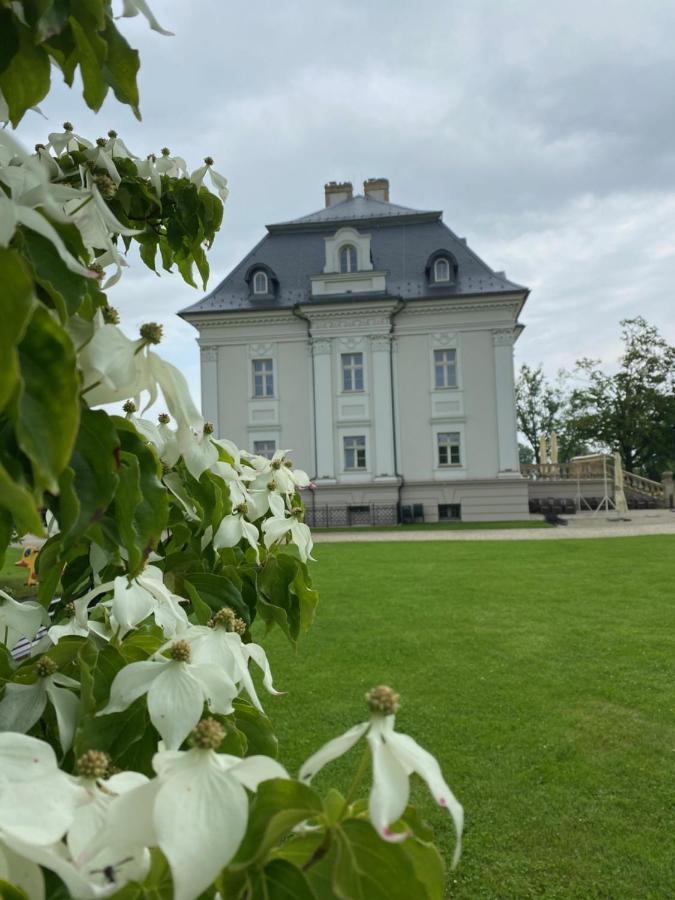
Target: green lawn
pixel 444 526
pixel 542 675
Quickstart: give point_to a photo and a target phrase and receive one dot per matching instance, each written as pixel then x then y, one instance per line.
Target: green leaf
pixel 11 891
pixel 16 301
pixel 9 39
pixel 92 51
pixel 66 289
pixel 121 67
pixel 6 528
pixel 49 568
pixel 48 409
pixel 218 591
pixel 280 880
pixel 428 865
pixel 257 729
pixel 25 81
pixel 202 611
pixel 94 463
pixel 19 502
pixel 279 806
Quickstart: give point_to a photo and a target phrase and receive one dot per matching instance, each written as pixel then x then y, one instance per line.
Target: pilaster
pixel 507 431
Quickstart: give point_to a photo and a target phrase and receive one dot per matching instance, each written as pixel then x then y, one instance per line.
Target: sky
pixel 544 130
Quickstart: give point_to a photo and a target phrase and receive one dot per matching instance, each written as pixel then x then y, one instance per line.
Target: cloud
pixel 544 130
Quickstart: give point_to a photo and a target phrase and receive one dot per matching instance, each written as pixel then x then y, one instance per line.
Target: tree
pixel 633 410
pixel 135 752
pixel 542 407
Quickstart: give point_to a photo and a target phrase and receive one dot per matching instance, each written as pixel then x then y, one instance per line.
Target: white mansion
pixel 372 341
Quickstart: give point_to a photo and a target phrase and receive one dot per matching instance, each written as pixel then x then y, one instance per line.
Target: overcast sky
pixel 545 131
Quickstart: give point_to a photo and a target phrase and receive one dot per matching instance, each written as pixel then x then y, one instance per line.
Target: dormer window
pixel 348 258
pixel 441 270
pixel 260 283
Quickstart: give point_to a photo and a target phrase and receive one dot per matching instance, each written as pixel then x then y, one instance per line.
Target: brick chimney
pixel 338 191
pixel 376 189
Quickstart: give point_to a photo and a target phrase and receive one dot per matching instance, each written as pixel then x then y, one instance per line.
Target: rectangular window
pixel 449 448
pixel 352 371
pixel 445 369
pixel 355 452
pixel 449 512
pixel 263 378
pixel 264 448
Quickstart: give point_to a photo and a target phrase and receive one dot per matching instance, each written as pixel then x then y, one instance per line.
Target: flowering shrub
pixel 136 758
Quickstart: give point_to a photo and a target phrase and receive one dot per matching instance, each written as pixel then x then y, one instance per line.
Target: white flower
pixel 234 528
pixel 67 141
pixel 146 595
pixel 275 529
pixel 288 480
pixel 198 451
pixel 17 870
pixel 23 704
pixel 177 690
pixel 395 757
pixel 220 646
pixel 173 166
pixel 37 800
pixel 218 181
pixel 264 497
pixel 134 7
pixel 196 810
pixel 20 620
pixel 147 168
pixel 79 623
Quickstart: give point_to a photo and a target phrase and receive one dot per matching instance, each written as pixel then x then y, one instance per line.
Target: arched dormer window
pixel 441 270
pixel 260 283
pixel 348 258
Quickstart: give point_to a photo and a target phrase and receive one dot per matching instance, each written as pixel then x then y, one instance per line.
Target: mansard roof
pixel 402 240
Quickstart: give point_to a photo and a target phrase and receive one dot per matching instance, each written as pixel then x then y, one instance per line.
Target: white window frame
pixel 449 445
pixel 266 282
pixel 349 366
pixel 442 261
pixel 446 368
pixel 350 253
pixel 271 441
pixel 355 448
pixel 268 376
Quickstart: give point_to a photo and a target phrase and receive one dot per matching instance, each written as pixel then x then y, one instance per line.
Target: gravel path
pixel 580 526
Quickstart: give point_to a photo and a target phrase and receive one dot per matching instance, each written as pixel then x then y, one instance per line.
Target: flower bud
pixel 239 626
pixel 181 651
pixel 208 428
pixel 106 186
pixel 151 332
pixel 110 314
pixel 242 509
pixel 112 133
pixel 298 512
pixel 69 609
pixel 208 160
pixel 166 151
pixel 46 667
pixel 129 407
pixel 163 418
pixel 67 126
pixel 224 618
pixel 382 700
pixel 101 142
pixel 98 269
pixel 39 147
pixel 207 735
pixel 288 463
pixel 276 464
pixel 271 485
pixel 93 764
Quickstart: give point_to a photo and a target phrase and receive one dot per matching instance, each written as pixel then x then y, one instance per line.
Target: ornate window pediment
pixel 347 251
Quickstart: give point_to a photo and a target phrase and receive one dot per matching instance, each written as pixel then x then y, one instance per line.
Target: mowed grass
pixel 445 526
pixel 542 676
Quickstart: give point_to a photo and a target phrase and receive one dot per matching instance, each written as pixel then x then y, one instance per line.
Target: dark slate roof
pixel 402 240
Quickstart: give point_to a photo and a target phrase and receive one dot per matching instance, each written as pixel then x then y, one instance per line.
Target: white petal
pixel 391 787
pixel 219 689
pixel 8 219
pixel 199 453
pixel 258 655
pixel 133 7
pixel 275 529
pixel 22 620
pixel 332 750
pixel 36 222
pixel 66 706
pixel 22 872
pixel 131 604
pixel 176 393
pixel 302 538
pixel 277 505
pixel 22 706
pixel 253 770
pixel 200 819
pixel 132 682
pixel 129 820
pixel 175 703
pixel 229 532
pixel 251 535
pixel 416 759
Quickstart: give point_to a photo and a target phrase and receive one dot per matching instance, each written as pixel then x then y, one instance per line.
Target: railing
pixel 596 468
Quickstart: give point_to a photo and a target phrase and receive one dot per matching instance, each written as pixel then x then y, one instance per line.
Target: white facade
pixel 383 400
